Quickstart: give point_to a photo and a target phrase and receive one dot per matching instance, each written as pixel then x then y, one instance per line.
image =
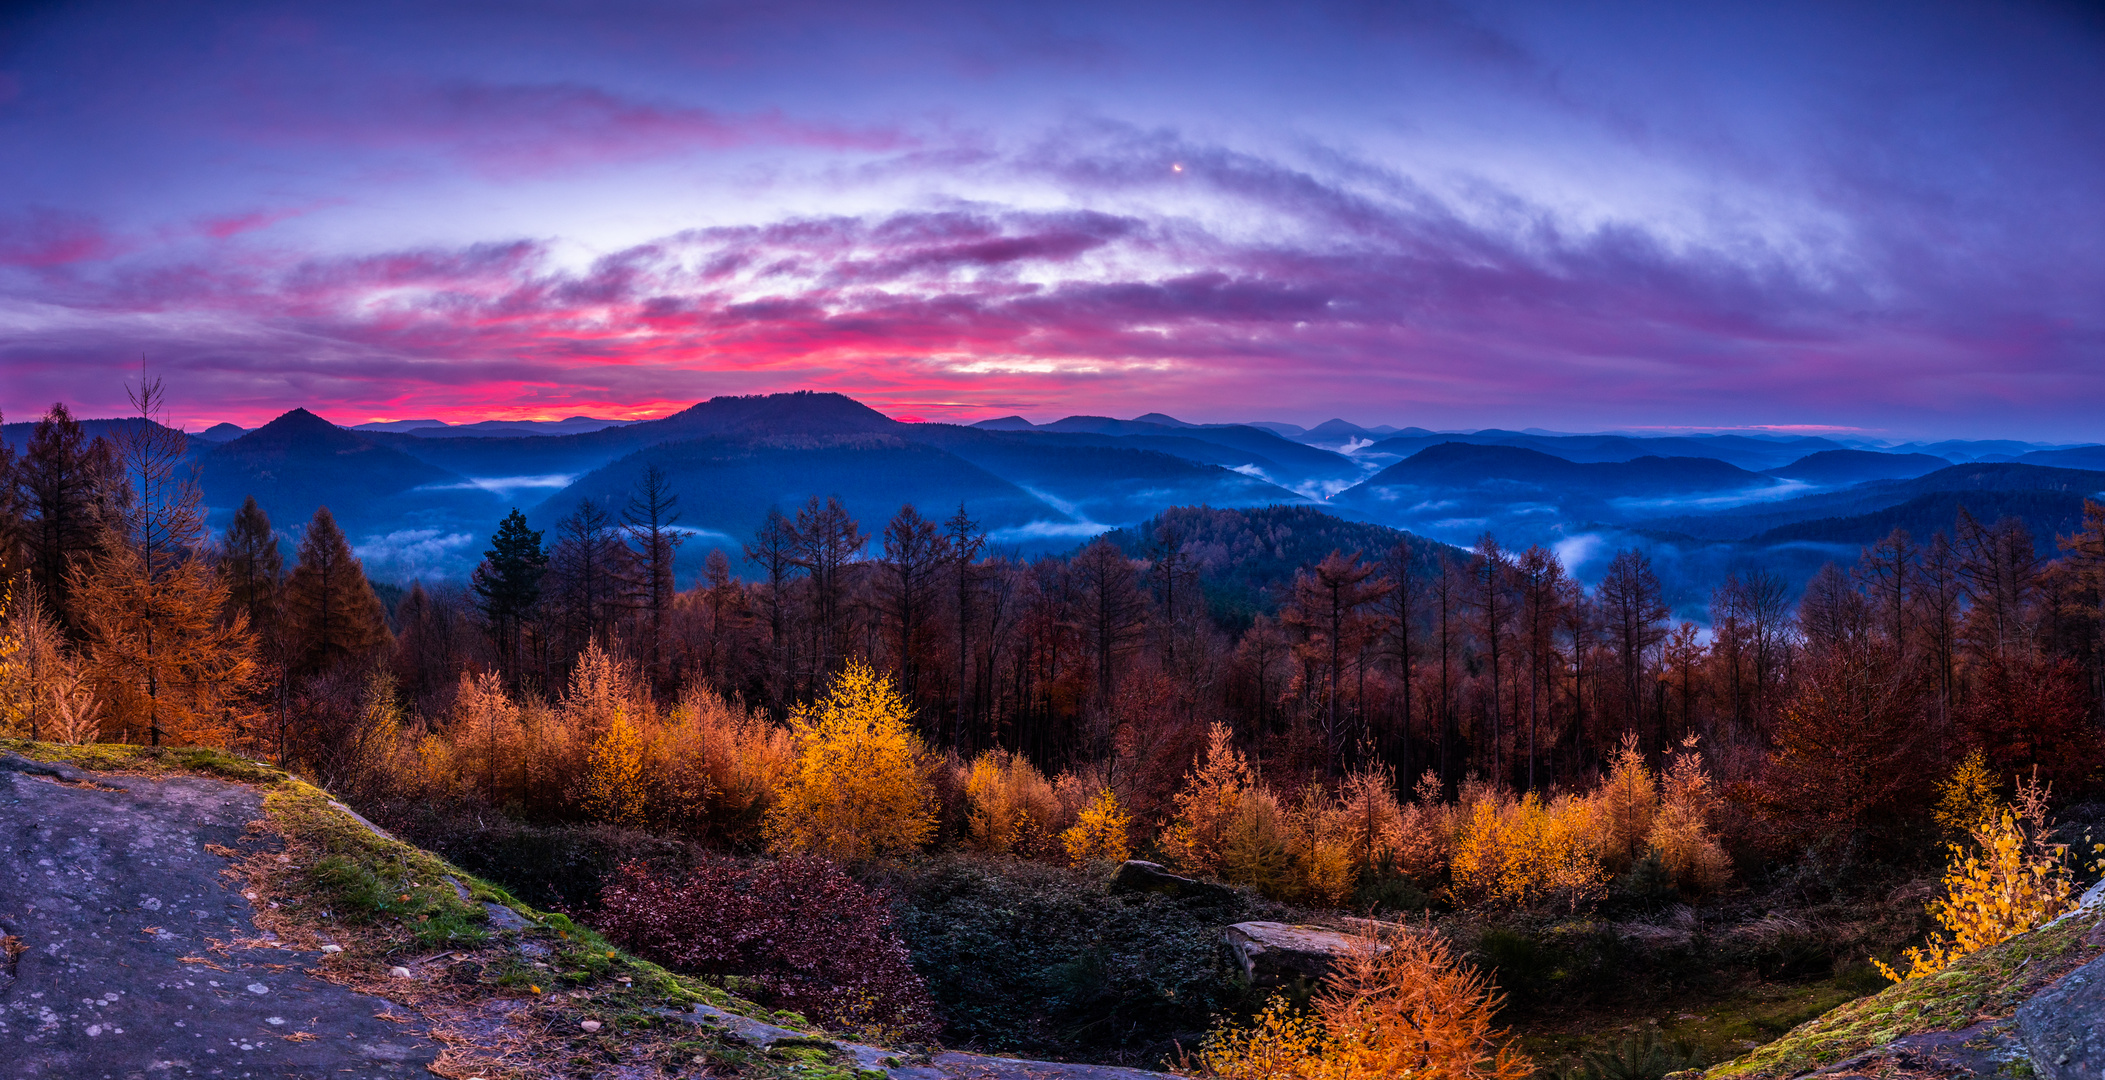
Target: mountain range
pixel 419 499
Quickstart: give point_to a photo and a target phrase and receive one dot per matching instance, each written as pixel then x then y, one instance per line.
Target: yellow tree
pixel 1402 1006
pixel 1101 832
pixel 150 603
pixel 861 786
pixel 1207 807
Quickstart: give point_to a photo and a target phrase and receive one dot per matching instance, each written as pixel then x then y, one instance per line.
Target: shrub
pixel 1013 808
pixel 860 786
pixel 805 935
pixel 2015 881
pixel 1402 1006
pixel 1042 960
pixel 1522 852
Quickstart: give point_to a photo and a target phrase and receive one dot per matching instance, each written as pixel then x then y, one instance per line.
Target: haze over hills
pixel 421 501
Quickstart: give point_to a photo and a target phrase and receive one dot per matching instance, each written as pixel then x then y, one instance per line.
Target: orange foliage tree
pixel 861 785
pixel 1399 1006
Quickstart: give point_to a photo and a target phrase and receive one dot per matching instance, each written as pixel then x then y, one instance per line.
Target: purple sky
pixel 1880 217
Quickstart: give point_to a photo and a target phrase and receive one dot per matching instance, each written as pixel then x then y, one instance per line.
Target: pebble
pixel 399 972
pixel 589 1025
pixel 332 950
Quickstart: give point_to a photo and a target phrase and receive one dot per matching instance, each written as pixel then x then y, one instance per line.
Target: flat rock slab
pixel 106 883
pixel 1277 954
pixel 945 1066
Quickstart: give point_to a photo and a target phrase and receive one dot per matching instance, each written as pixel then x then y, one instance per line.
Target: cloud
pixel 411 553
pixel 1047 530
pixel 1283 285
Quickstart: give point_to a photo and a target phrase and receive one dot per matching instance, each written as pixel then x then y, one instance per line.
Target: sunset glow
pixel 1794 218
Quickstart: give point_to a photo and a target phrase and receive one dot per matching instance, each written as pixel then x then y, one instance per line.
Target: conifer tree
pixel 331 614
pixel 71 491
pixel 649 521
pixel 254 569
pixel 509 582
pixel 150 604
pixel 10 513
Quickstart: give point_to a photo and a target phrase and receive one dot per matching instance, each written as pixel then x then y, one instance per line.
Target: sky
pixel 1886 219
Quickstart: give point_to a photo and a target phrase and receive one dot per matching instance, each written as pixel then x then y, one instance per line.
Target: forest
pixel 1330 716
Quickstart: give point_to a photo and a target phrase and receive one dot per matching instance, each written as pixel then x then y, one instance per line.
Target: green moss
pixel 1991 982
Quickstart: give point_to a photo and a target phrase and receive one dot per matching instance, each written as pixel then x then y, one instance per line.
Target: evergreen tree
pixel 509 583
pixel 332 617
pixel 10 513
pixel 254 569
pixel 71 491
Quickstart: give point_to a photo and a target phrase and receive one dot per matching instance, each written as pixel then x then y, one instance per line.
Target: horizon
pixel 1452 217
pixel 1779 432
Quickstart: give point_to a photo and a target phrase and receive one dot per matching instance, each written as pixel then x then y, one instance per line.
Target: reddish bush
pixel 805 934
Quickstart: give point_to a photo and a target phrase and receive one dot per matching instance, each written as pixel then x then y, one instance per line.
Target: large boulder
pixel 2063 1026
pixel 1139 875
pixel 1278 954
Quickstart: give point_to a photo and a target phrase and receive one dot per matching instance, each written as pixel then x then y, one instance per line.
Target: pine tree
pixel 332 616
pixel 71 491
pixel 509 583
pixel 254 572
pixel 254 569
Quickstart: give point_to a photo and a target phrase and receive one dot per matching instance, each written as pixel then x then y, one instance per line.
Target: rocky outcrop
pixel 1139 875
pixel 130 952
pixel 1279 954
pixel 2033 1004
pixel 2063 1027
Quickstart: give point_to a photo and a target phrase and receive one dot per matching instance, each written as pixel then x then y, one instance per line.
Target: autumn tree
pixel 332 617
pixel 1400 1005
pixel 648 520
pixel 253 569
pixel 1852 748
pixel 1329 602
pixel 963 540
pixel 861 786
pixel 827 543
pixel 913 556
pixel 774 550
pixel 150 603
pixel 1491 595
pixel 1634 611
pixel 1101 832
pixel 1545 591
pixel 1201 826
pixel 1110 607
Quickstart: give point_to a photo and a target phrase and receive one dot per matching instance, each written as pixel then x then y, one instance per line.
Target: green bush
pixel 1045 961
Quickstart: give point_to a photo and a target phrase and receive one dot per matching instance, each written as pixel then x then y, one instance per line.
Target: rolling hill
pixel 1837 468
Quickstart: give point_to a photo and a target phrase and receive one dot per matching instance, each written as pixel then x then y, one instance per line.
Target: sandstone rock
pixel 1275 954
pixel 2063 1026
pixel 1139 875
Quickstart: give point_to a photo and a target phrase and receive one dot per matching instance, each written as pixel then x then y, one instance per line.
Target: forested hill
pixel 1246 559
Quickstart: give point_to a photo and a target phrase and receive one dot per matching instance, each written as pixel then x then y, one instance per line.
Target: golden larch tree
pixel 861 785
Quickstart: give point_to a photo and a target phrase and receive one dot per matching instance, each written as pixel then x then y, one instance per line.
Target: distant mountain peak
pixel 1005 423
pixel 1164 419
